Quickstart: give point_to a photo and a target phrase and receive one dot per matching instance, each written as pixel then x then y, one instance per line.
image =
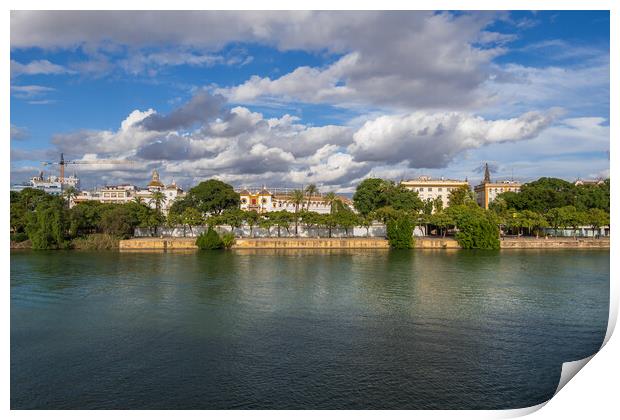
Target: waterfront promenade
pixel 172 244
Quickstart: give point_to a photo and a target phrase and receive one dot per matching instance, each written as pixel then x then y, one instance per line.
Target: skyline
pixel 260 98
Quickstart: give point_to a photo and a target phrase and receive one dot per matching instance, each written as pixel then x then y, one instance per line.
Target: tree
pixel 232 217
pixel 46 225
pixel 367 221
pixel 460 196
pixel 346 219
pixel 597 218
pixel 191 217
pixel 158 198
pixel 401 198
pixel 400 233
pixel 331 198
pixel 438 204
pixel 311 190
pixel 281 219
pixel 310 219
pixel 213 196
pixel 70 193
pixel 369 195
pixel 266 223
pixel 251 218
pixel 442 220
pixel 297 198
pixel 329 222
pixel 477 228
pixel 118 220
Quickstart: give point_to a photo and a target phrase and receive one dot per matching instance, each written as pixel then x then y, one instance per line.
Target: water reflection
pixel 301 328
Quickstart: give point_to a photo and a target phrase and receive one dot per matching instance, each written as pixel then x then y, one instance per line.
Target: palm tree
pixel 70 194
pixel 331 198
pixel 310 190
pixel 137 199
pixel 159 198
pixel 297 198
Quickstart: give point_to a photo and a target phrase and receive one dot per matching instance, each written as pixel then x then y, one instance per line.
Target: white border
pixel 593 394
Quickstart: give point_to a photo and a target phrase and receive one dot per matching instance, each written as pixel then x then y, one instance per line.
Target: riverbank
pixel 171 244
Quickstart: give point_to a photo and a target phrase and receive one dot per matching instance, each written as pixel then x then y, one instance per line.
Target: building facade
pixel 428 188
pixel 51 185
pixel 265 200
pixel 124 193
pixel 487 190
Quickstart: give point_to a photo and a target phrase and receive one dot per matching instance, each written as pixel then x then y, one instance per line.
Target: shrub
pixel 19 237
pixel 400 233
pixel 96 241
pixel 228 240
pixel 478 232
pixel 209 240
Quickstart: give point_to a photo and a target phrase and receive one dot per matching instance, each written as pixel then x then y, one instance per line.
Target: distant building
pixel 51 184
pixel 428 188
pixel 264 200
pixel 580 181
pixel 124 193
pixel 487 191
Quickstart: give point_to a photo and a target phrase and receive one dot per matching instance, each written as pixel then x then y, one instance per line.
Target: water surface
pixel 301 329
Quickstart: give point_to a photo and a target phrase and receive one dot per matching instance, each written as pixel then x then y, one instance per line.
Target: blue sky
pixel 289 98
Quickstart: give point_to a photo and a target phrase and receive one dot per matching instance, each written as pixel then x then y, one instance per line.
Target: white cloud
pixel 432 140
pixel 37 67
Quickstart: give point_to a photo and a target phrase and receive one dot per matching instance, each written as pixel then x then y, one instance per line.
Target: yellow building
pixel 487 191
pixel 428 188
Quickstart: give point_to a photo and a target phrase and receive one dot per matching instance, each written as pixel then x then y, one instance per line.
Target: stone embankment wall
pixel 172 244
pixel 554 243
pixel 310 243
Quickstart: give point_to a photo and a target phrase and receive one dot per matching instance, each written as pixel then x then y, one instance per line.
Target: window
pixel 430 189
pixel 439 189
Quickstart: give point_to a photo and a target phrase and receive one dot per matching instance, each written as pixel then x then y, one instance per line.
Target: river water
pixel 301 329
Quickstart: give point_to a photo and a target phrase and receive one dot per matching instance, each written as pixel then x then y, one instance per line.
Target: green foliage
pixel 346 219
pixel 213 196
pixel 597 218
pixel 548 193
pixel 46 225
pixel 228 240
pixel 477 228
pixel 460 196
pixel 209 240
pixel 374 193
pixel 119 220
pixel 400 233
pixel 96 241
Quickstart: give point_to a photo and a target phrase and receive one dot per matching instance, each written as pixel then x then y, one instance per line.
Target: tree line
pixel 47 221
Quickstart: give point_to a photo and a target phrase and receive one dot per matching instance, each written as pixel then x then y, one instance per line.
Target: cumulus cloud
pixel 201 108
pixel 204 138
pixel 30 91
pixel 37 67
pixel 19 133
pixel 432 140
pixel 401 59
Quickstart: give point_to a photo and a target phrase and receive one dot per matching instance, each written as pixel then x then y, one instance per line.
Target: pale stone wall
pixel 172 244
pixel 320 243
pixel 554 243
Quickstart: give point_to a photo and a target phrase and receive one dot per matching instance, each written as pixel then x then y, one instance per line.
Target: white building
pixel 124 193
pixel 264 200
pixel 51 184
pixel 428 188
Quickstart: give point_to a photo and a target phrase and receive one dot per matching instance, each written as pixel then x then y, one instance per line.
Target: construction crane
pixel 64 162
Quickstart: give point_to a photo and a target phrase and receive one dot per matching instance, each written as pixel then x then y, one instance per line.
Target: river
pixel 301 329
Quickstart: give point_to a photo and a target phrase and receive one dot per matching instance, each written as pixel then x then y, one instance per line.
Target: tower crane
pixel 62 162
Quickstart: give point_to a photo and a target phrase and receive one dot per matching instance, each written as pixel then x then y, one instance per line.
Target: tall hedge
pixel 209 240
pixel 400 233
